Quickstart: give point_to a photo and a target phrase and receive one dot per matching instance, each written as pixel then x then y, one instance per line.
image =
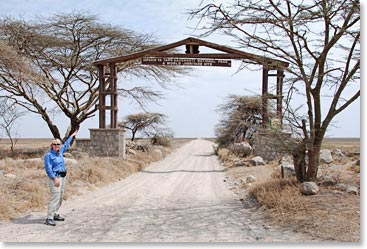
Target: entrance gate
pixel 107 71
pixel 163 55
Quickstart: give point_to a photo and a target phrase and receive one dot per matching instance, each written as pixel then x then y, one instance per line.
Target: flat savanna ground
pixel 189 196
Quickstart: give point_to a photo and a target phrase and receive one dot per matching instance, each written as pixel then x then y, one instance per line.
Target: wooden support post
pixel 107 88
pixel 264 112
pixel 101 97
pixel 280 76
pixel 113 96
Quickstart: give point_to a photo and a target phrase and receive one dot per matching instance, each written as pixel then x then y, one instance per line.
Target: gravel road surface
pixel 182 198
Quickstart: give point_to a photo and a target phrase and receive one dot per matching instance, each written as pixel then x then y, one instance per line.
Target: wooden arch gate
pixel 163 55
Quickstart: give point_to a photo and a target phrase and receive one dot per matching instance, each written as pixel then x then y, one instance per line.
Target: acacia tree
pixel 321 41
pixel 61 50
pixel 142 122
pixel 240 116
pixel 9 114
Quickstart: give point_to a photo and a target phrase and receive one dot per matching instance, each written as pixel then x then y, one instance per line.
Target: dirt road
pixel 182 198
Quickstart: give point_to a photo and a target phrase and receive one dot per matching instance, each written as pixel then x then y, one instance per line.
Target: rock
pixel 347 188
pixel 249 179
pixel 286 162
pixel 289 171
pixel 309 188
pixel 257 160
pixel 327 180
pixel 239 163
pixel 11 176
pixel 338 155
pixel 242 149
pixel 325 156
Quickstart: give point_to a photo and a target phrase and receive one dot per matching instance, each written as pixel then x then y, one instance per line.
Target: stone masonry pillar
pixel 108 142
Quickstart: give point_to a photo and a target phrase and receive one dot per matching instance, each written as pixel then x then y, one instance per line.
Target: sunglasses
pixel 56 144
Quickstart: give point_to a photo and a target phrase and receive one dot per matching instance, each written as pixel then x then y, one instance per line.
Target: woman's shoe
pixel 50 222
pixel 57 217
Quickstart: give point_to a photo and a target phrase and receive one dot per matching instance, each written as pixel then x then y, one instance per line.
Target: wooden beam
pixel 262 60
pixel 202 56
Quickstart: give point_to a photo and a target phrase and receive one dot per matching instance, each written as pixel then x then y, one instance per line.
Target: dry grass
pixel 29 190
pixel 330 215
pixel 278 194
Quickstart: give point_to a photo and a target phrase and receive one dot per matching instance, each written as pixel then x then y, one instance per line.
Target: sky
pixel 190 108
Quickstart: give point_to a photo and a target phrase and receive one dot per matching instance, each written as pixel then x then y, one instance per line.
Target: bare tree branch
pixel 319 38
pixel 60 51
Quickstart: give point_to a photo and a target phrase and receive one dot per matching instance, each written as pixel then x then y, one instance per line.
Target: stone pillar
pixel 105 143
pixel 122 152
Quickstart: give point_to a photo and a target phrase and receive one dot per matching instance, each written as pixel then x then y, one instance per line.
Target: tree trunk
pixel 313 163
pixel 133 134
pixel 54 130
pixel 299 161
pixel 74 126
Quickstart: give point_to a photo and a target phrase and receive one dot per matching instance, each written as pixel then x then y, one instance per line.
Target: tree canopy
pixel 241 115
pixel 143 123
pixel 51 72
pixel 321 41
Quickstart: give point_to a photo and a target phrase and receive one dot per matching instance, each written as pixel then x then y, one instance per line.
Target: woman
pixel 56 172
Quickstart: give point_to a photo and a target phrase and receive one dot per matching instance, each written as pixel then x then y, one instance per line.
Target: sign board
pixel 185 62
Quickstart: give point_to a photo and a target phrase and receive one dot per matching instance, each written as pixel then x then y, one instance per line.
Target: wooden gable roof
pixel 226 53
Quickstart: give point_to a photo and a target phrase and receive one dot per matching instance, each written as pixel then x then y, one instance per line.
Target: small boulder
pixel 289 171
pixel 239 163
pixel 327 180
pixel 242 149
pixel 249 179
pixel 10 176
pixel 257 160
pixel 309 188
pixel 325 156
pixel 338 155
pixel 347 188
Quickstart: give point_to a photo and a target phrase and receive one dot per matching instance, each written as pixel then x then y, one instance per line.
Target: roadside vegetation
pixel 24 183
pixel 333 214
